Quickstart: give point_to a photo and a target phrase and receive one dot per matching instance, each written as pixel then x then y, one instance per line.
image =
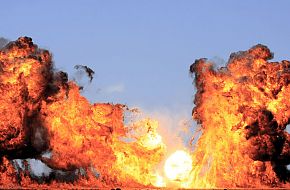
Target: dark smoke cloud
pixel 3 42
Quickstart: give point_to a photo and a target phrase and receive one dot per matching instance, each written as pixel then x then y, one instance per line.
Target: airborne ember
pixel 242 109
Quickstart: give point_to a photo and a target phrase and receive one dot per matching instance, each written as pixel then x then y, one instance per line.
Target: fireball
pixel 242 111
pixel 178 166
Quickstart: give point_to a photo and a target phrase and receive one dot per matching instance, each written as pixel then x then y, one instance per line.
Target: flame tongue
pixel 243 110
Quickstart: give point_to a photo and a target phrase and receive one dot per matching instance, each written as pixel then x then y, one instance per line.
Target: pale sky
pixel 141 50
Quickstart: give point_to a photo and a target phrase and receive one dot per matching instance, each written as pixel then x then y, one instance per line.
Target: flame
pixel 242 111
pixel 178 166
pixel 88 144
pixel 159 181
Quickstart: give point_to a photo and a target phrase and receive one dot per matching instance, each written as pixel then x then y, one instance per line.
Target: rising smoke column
pixel 243 110
pixel 42 111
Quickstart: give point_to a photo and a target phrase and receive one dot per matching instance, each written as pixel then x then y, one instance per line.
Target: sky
pixel 141 50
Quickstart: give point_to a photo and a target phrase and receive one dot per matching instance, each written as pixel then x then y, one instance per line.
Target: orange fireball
pixel 243 110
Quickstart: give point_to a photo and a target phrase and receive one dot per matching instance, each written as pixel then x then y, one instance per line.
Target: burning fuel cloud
pixel 41 111
pixel 242 109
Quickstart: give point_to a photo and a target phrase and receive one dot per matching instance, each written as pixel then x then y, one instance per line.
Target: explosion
pixel 42 112
pixel 242 111
pixel 178 166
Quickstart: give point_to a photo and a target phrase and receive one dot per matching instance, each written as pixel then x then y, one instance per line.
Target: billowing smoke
pixel 3 42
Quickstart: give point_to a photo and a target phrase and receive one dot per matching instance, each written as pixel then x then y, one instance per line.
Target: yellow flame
pixel 159 181
pixel 178 166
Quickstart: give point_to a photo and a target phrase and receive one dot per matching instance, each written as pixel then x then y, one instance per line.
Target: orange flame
pixel 242 109
pixel 42 112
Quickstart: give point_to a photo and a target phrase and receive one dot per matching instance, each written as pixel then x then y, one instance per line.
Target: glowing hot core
pixel 178 166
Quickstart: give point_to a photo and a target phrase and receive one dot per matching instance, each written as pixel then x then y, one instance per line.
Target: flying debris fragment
pixel 88 70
